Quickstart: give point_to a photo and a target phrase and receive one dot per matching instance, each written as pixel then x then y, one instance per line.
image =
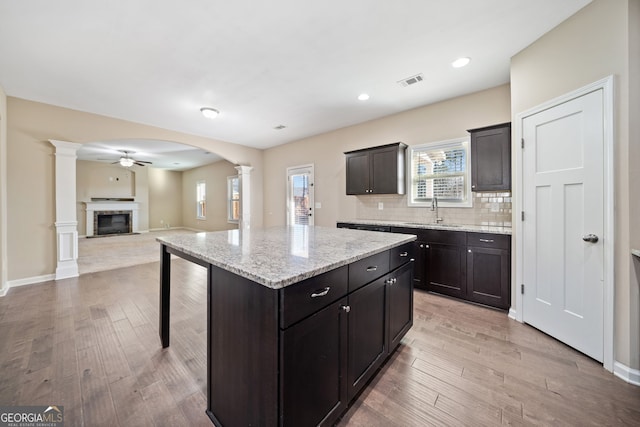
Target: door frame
pixel 607 86
pixel 312 197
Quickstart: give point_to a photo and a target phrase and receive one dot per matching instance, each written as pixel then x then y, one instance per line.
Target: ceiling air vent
pixel 411 80
pixel 279 127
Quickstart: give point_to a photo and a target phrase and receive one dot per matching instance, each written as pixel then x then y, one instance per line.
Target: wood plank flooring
pixel 91 344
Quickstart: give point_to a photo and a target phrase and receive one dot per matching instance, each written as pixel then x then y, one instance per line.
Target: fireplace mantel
pixel 106 206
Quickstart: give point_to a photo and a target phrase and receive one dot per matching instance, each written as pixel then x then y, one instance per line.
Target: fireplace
pixel 115 216
pixel 112 222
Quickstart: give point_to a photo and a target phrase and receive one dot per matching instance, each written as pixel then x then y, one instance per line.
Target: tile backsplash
pixel 488 209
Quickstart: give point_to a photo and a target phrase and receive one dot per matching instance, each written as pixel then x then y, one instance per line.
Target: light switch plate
pixel 318 205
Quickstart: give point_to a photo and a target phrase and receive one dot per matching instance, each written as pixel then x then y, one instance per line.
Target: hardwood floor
pixel 91 344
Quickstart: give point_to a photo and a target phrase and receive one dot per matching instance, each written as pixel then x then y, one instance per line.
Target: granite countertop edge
pixel 291 279
pixel 636 252
pixel 426 226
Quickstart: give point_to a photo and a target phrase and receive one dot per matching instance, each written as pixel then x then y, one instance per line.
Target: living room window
pixel 201 200
pixel 442 170
pixel 233 199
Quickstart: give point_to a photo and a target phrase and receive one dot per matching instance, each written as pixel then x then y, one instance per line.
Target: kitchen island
pixel 299 318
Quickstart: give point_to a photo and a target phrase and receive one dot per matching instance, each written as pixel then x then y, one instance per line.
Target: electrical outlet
pixel 380 206
pixel 495 207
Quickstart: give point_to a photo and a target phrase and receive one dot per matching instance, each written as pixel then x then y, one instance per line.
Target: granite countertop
pixel 427 226
pixel 636 252
pixel 280 256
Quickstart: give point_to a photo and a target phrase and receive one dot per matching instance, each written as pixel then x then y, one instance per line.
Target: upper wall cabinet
pixel 376 170
pixel 491 158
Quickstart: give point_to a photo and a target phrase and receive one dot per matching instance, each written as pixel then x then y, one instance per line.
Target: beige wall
pixel 633 167
pixel 3 192
pixel 215 177
pixel 437 122
pixel 591 45
pixel 31 176
pixel 165 198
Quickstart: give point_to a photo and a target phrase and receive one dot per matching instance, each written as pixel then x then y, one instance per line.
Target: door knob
pixel 592 238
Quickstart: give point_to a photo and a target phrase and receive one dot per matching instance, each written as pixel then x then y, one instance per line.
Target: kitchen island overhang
pixel 268 293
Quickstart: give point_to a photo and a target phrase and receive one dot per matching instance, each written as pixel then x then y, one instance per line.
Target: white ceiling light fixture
pixel 126 161
pixel 461 62
pixel 209 113
pixel 363 97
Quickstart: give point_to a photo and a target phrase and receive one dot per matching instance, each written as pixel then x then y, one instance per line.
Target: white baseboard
pixel 30 280
pixel 625 373
pixel 4 291
pixel 512 314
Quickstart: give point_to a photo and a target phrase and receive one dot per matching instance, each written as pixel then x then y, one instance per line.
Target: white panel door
pixel 563 200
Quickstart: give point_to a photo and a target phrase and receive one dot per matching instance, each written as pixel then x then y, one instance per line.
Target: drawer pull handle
pixel 487 240
pixel 372 268
pixel 404 254
pixel 321 293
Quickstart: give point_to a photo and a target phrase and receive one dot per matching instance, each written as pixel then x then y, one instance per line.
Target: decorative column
pixel 66 221
pixel 244 178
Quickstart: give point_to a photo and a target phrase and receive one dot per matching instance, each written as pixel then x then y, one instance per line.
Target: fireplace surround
pixel 117 210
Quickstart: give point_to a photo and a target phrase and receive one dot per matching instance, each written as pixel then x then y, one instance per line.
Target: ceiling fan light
pixel 209 113
pixel 126 162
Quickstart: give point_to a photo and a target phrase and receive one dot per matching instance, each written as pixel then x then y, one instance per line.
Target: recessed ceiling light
pixel 363 97
pixel 209 113
pixel 460 62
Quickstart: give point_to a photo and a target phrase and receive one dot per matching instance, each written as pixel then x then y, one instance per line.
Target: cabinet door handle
pixel 404 254
pixel 391 281
pixel 426 246
pixel 320 293
pixel 372 268
pixel 487 240
pixel 469 250
pixel 345 308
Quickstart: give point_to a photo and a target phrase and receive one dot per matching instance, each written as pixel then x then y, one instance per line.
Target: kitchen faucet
pixel 434 207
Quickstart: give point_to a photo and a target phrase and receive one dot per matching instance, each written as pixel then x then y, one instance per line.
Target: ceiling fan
pixel 127 161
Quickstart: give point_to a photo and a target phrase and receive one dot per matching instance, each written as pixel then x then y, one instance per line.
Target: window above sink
pixel 440 169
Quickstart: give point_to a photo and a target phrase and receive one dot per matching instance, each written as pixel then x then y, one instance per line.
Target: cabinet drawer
pixel 305 298
pixel 368 269
pixel 487 240
pixel 444 237
pixel 401 255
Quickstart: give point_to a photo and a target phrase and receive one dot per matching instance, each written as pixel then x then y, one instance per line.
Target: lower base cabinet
pixel 367 335
pixel 314 363
pixel 467 265
pixel 446 270
pixel 330 356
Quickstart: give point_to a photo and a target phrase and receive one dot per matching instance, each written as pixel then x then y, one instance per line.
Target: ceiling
pixel 295 63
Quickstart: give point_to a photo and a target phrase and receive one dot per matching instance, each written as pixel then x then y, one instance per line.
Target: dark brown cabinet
pixel 445 267
pixel 400 295
pixel 467 265
pixel 367 337
pixel 489 269
pixel 377 170
pixel 491 158
pixel 313 367
pixel 330 352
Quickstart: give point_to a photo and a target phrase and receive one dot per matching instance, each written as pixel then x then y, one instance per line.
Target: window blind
pixel 440 172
